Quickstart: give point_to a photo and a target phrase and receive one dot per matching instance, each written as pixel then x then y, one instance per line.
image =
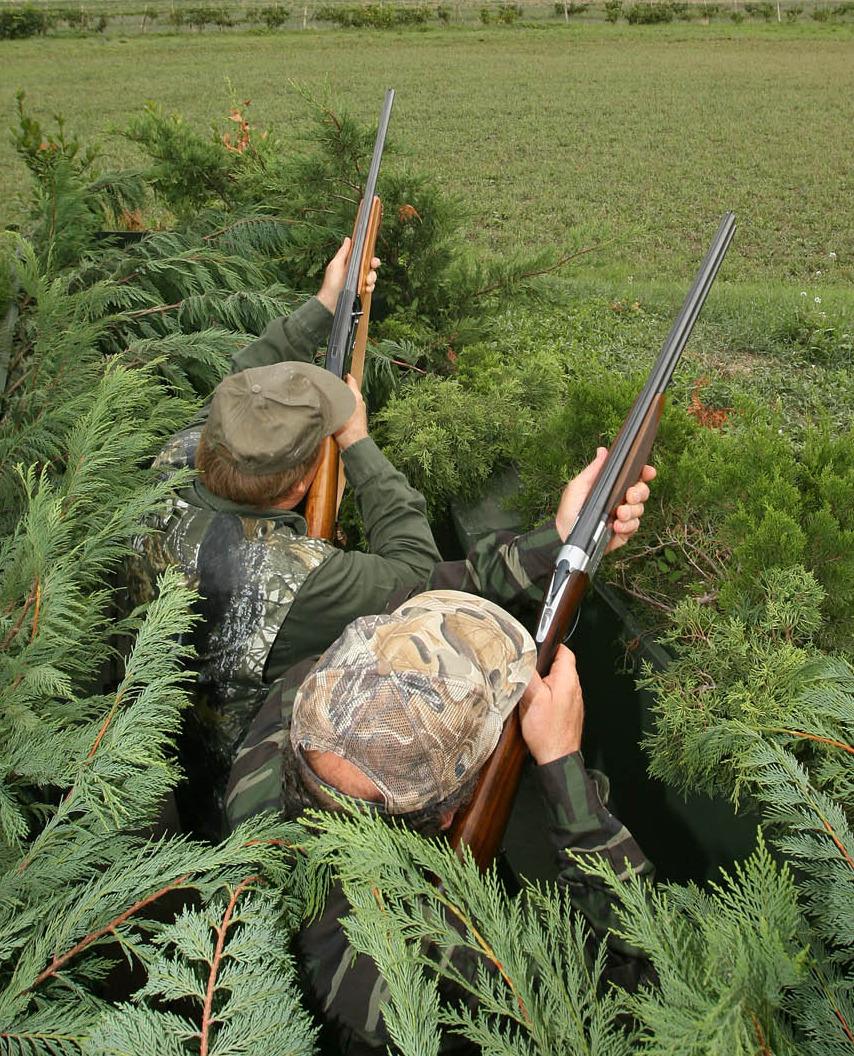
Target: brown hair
pixel 220 475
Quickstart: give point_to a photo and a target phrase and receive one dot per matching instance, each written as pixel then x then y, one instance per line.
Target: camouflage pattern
pixel 247 571
pixel 417 699
pixel 512 570
pixel 255 781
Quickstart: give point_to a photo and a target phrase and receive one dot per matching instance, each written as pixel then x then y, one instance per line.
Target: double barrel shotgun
pixel 482 823
pixel 345 352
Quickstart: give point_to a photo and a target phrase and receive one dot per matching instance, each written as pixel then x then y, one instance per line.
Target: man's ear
pixel 446 820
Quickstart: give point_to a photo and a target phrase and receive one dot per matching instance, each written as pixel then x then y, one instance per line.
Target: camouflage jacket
pixel 268 594
pixel 347 991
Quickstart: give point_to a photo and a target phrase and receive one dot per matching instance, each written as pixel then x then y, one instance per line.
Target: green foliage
pixel 809 333
pixel 569 9
pixel 373 16
pixel 230 958
pixel 741 964
pixel 255 196
pixel 613 10
pixel 89 713
pixel 747 553
pixel 522 981
pixel 71 203
pixel 732 503
pixel 505 14
pixel 445 440
pixel 19 22
pixel 188 169
pixel 726 960
pixel 649 14
pixel 764 10
pixel 274 16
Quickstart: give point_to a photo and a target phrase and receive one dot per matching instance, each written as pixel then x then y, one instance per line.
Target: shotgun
pixel 482 823
pixel 345 352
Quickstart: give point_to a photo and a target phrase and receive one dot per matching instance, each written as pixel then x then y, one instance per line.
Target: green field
pixel 638 136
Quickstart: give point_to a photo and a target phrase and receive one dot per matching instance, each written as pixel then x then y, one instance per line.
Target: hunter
pixel 268 594
pixel 400 714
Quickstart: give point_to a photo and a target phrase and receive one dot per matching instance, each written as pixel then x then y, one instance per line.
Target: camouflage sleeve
pixel 255 781
pixel 349 988
pixel 505 568
pixel 580 822
pixel 295 336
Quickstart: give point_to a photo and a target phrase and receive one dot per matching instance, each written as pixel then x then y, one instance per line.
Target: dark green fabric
pixel 402 549
pixel 299 335
pixel 351 583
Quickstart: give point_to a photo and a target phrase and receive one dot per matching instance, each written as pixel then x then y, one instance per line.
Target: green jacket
pixel 348 992
pixel 269 595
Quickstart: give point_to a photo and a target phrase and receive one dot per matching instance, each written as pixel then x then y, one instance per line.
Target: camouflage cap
pixel 270 419
pixel 416 700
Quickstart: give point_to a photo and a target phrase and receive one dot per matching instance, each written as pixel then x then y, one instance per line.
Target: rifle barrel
pixel 340 339
pixel 659 378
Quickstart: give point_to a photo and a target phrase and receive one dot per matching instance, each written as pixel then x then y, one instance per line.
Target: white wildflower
pixel 817 300
pixel 832 255
pixel 803 293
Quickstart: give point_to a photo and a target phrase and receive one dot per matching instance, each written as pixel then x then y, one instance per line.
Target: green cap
pixel 269 419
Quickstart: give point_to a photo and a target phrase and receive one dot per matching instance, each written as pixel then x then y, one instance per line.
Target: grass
pixel 637 136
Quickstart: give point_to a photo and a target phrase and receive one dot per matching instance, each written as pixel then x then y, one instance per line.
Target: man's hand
pixel 552 710
pixel 336 275
pixel 356 426
pixel 629 514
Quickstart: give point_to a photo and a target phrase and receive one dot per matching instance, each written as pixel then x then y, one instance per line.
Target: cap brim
pixel 336 392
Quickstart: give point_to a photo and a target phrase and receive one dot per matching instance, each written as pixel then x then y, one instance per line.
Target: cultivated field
pixel 639 136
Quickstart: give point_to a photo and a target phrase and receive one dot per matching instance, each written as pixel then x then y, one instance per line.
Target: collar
pixel 210 501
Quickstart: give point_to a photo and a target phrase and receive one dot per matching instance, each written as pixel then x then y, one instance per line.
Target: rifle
pixel 482 823
pixel 345 352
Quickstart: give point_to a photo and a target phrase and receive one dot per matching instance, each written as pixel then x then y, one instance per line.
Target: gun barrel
pixel 601 497
pixel 340 338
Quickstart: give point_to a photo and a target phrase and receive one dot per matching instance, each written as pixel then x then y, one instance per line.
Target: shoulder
pixel 290 552
pixel 180 451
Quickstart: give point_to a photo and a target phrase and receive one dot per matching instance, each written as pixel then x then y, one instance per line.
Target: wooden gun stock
pixel 638 454
pixel 327 488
